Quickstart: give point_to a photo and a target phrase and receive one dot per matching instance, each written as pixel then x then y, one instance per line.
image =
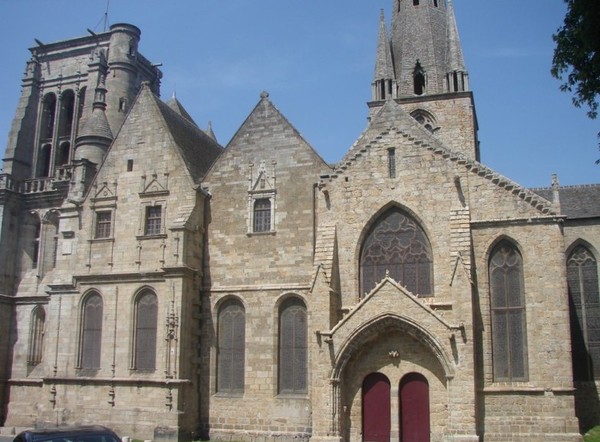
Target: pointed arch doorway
pixel 376 409
pixel 414 408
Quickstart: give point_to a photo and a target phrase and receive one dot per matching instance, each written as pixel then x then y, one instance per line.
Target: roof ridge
pixel 569 186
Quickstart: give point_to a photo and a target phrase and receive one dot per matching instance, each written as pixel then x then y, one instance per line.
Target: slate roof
pixel 199 151
pixel 176 105
pixel 96 126
pixel 576 202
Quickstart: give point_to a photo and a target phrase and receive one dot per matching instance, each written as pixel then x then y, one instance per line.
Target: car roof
pixel 47 433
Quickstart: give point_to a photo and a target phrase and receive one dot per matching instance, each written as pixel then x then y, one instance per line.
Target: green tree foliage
pixel 576 59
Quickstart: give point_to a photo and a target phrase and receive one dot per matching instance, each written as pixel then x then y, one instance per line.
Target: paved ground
pixel 6 438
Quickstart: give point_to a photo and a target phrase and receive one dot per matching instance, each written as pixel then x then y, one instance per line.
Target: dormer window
pixel 261 200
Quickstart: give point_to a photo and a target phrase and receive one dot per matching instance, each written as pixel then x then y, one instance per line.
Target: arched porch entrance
pixel 393 384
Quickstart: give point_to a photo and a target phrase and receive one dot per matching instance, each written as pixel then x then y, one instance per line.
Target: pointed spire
pixel 97 126
pixel 384 69
pixel 455 60
pixel 176 105
pixel 209 131
pixel 383 79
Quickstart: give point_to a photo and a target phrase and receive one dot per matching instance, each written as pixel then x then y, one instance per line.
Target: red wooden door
pixel 414 408
pixel 376 414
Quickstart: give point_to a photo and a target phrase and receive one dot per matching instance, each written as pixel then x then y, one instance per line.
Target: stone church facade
pixel 171 288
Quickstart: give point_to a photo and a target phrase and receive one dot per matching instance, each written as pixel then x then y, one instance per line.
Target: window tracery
pixel 231 347
pixel 398 245
pixel 293 351
pixel 509 329
pixel 584 303
pixel 425 119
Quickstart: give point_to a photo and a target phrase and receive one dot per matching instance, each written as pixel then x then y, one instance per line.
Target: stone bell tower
pixel 421 66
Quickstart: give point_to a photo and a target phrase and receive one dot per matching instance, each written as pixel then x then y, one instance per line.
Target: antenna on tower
pixel 106 15
pixel 103 20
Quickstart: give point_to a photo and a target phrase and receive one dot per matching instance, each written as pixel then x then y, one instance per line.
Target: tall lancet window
pixel 231 347
pixel 419 79
pixel 36 336
pixel 509 329
pixel 91 332
pixel 584 301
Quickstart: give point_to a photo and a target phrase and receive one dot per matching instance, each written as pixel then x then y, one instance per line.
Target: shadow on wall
pixel 587 403
pixel 10 338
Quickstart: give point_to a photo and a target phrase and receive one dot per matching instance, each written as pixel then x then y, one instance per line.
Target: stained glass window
pixel 396 243
pixel 293 354
pixel 231 347
pixel 145 331
pixel 509 331
pixel 584 301
pixel 91 332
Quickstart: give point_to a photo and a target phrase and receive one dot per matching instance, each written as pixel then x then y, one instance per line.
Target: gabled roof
pixel 393 120
pixel 256 127
pixel 176 105
pixel 199 151
pixel 576 202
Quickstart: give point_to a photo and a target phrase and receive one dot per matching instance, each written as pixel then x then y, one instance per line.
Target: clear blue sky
pixel 316 59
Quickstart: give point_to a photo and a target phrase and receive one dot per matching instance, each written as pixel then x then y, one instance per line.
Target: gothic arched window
pixel 293 352
pixel 396 243
pixel 231 343
pixel 146 318
pixel 509 329
pixel 91 332
pixel 36 336
pixel 584 302
pixel 426 119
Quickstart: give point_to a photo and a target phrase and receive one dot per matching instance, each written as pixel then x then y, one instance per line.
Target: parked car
pixel 92 433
